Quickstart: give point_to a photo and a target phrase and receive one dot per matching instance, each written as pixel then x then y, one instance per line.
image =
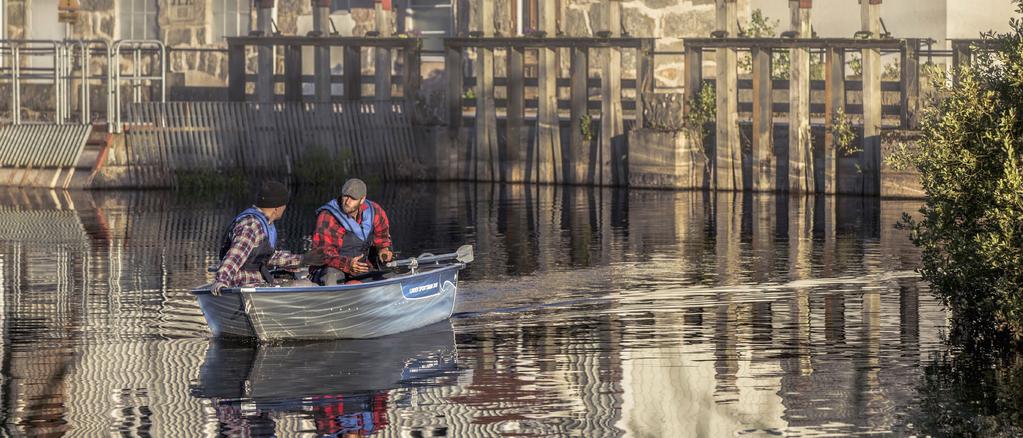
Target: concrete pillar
pixel 265 56
pixel 870 15
pixel 727 151
pixel 801 176
pixel 485 152
pixel 612 127
pixel 548 122
pixel 383 56
pixel 321 55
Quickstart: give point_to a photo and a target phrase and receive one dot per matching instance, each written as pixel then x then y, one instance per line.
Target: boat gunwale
pixel 337 288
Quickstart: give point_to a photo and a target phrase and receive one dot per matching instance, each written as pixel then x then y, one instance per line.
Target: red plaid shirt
pixel 330 233
pixel 248 234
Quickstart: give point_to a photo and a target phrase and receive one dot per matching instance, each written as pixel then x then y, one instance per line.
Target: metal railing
pixel 66 65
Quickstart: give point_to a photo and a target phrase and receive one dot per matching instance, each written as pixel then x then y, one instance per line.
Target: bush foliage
pixel 971 230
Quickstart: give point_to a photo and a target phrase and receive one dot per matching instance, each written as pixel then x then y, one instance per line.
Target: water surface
pixel 588 312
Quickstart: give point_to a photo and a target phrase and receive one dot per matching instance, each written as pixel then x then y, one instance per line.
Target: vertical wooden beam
pixel 352 79
pixel 962 56
pixel 548 121
pixel 727 150
pixel 236 72
pixel 645 80
pixel 485 152
pixel 293 73
pixel 454 65
pixel 910 78
pixel 321 54
pixel 693 74
pixel 765 163
pixel 801 173
pixel 382 67
pixel 612 127
pixel 577 167
pixel 412 79
pixel 870 14
pixel 516 152
pixel 265 54
pixel 834 102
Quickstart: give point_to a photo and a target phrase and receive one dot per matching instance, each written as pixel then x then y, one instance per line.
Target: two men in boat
pixel 248 250
pixel 353 234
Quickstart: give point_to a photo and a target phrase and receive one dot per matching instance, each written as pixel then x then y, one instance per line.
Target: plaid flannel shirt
pixel 330 233
pixel 248 234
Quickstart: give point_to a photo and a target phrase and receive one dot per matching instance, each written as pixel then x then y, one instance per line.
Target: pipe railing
pixel 137 49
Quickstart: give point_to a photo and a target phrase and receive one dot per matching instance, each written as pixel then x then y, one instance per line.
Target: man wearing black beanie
pixel 249 247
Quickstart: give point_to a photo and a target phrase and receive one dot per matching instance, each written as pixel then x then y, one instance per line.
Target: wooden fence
pixel 269 139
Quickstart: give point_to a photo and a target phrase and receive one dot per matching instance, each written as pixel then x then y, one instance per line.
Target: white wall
pixel 937 19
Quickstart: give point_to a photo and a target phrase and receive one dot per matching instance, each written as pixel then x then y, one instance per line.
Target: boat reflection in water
pixel 338 387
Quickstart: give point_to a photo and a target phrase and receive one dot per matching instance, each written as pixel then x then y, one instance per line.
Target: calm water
pixel 587 313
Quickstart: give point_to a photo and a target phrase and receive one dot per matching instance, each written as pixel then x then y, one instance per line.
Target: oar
pixel 463 254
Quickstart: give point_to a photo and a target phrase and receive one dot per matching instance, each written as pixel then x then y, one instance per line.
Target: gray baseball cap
pixel 354 188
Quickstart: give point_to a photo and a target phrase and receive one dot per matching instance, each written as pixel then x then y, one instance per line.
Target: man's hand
pixel 356 266
pixel 313 258
pixel 217 288
pixel 386 256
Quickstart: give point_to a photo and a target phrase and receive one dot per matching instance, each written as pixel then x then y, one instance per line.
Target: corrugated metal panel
pixel 267 139
pixel 42 146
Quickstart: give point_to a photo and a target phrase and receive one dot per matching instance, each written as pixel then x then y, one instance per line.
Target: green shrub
pixel 971 230
pixel 318 167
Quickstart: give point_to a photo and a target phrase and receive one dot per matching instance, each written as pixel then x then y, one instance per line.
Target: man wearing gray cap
pixel 349 230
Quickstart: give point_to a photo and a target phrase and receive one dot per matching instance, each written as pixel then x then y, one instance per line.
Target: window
pixel 431 19
pixel 230 18
pixel 138 20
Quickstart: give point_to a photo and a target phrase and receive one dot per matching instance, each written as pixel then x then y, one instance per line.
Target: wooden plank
pixel 382 67
pixel 765 161
pixel 910 78
pixel 693 74
pixel 801 172
pixel 727 149
pixel 548 121
pixel 612 126
pixel 834 101
pixel 871 156
pixel 516 152
pixel 454 66
pixel 293 73
pixel 645 82
pixel 352 73
pixel 413 78
pixel 236 72
pixel 577 164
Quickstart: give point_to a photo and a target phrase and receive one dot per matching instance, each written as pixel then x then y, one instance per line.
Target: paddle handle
pixel 422 260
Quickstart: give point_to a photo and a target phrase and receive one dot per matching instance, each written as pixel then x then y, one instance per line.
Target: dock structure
pixel 542 101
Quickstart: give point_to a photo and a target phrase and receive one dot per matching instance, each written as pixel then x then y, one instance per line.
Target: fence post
pixel 516 150
pixel 235 71
pixel 871 158
pixel 454 65
pixel 321 53
pixel 578 161
pixel 962 56
pixel 834 101
pixel 693 74
pixel 801 172
pixel 293 73
pixel 413 78
pixel 727 150
pixel 485 151
pixel 382 68
pixel 612 126
pixel 548 123
pixel 765 163
pixel 265 61
pixel 352 78
pixel 910 78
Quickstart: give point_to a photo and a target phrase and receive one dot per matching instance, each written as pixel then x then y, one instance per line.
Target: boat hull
pixel 367 310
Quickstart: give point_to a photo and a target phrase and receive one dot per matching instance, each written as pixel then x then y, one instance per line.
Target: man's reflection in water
pixel 348 415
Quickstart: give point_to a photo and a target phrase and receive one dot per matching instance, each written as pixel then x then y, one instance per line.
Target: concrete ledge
pixel 667 160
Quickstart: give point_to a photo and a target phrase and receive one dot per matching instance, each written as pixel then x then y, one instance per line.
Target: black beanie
pixel 272 194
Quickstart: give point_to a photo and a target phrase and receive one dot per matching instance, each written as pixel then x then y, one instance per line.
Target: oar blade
pixel 464 254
